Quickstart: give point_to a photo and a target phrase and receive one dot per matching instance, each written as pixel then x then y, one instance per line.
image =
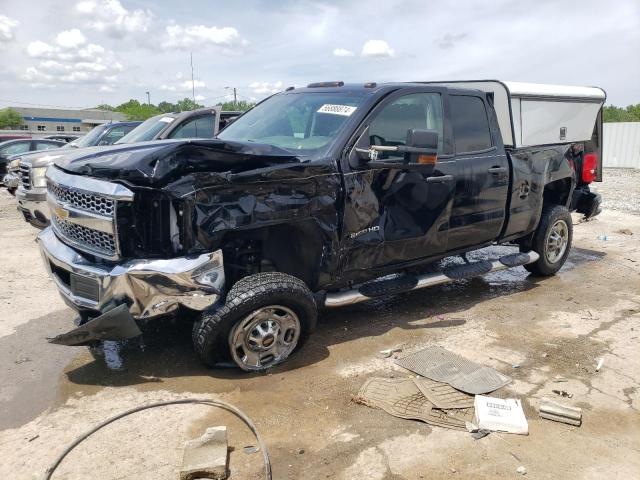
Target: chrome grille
pixel 82 200
pixel 84 210
pixel 25 174
pixel 94 241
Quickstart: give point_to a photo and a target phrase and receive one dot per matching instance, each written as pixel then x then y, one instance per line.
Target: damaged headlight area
pixel 148 287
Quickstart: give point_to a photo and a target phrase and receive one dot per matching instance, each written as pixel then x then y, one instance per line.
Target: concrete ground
pixel 553 330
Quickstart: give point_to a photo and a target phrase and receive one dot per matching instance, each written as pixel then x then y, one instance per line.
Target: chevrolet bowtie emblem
pixel 61 212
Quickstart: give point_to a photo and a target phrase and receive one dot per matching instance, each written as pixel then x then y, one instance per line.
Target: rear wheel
pixel 551 240
pixel 265 318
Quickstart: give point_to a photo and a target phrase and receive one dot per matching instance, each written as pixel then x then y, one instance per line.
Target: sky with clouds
pixel 80 53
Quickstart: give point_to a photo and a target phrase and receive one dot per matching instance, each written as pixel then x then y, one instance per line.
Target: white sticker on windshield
pixel 167 119
pixel 344 110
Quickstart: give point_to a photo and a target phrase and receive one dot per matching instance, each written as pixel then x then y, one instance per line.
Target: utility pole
pixel 148 98
pixel 193 85
pixel 235 97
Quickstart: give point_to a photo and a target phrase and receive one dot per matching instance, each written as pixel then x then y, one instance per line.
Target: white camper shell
pixel 538 114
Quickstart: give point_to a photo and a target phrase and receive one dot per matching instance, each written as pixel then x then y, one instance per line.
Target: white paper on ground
pixel 500 415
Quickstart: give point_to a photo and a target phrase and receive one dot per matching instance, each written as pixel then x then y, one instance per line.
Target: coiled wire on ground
pixel 202 401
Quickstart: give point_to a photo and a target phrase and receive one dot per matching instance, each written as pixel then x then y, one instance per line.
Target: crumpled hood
pixel 158 162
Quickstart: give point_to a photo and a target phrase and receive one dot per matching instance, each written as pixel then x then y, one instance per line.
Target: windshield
pixel 304 123
pixel 89 140
pixel 147 130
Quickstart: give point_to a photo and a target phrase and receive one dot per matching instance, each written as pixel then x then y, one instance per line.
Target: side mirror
pixel 422 139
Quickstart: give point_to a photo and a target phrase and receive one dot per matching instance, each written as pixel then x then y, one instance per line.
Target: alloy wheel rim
pixel 265 337
pixel 557 240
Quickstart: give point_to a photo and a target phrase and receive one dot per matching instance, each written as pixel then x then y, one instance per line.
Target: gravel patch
pixel 620 189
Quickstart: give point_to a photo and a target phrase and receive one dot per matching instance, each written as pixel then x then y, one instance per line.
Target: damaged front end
pixel 148 288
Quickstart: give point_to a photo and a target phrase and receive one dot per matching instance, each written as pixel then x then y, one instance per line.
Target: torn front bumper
pixel 33 206
pixel 148 287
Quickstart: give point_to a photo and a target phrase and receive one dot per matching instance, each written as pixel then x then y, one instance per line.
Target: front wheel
pixel 264 319
pixel 551 240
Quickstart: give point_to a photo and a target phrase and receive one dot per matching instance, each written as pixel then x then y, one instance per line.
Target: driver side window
pixel 421 111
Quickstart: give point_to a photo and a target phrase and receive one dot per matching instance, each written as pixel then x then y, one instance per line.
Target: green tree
pixel 167 107
pixel 187 104
pixel 617 114
pixel 134 110
pixel 241 106
pixel 9 118
pixel 106 107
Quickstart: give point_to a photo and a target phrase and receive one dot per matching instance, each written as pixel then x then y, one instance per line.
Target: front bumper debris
pixel 33 206
pixel 148 287
pixel 116 324
pixel 11 181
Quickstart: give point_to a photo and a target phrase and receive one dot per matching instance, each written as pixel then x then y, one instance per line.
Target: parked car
pixel 11 148
pixel 62 137
pixel 12 136
pixel 201 123
pixel 31 192
pixel 317 197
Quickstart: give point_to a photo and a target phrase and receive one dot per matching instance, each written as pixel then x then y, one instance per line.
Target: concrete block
pixel 206 457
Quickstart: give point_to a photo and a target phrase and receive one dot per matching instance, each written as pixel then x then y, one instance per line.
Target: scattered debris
pixel 500 415
pixel 402 398
pixel 387 353
pixel 249 449
pixel 480 434
pixel 443 395
pixel 441 365
pixel 471 427
pixel 545 355
pixel 299 451
pixel 514 456
pixel 560 380
pixel 521 470
pixel 563 393
pixel 603 238
pixel 206 457
pixel 625 231
pixel 600 364
pixel 33 438
pixel 560 413
pixel 515 365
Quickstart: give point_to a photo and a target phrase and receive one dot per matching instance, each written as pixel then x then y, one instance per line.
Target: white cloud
pixel 39 49
pixel 343 52
pixel 70 38
pixel 178 36
pixel 69 60
pixel 376 48
pixel 167 88
pixel 111 17
pixel 199 98
pixel 186 85
pixel 262 88
pixel 7 28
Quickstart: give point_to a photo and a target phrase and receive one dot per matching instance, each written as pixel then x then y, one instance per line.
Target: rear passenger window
pixel 470 124
pixel 199 127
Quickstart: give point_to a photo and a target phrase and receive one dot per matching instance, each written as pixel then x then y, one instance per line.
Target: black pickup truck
pixel 317 197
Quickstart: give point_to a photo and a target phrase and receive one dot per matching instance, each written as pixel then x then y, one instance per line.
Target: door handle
pixel 440 179
pixel 497 170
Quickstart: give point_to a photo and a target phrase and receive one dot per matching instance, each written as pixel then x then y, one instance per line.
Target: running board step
pixel 407 283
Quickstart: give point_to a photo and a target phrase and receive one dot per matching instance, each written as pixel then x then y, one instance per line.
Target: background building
pixel 49 121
